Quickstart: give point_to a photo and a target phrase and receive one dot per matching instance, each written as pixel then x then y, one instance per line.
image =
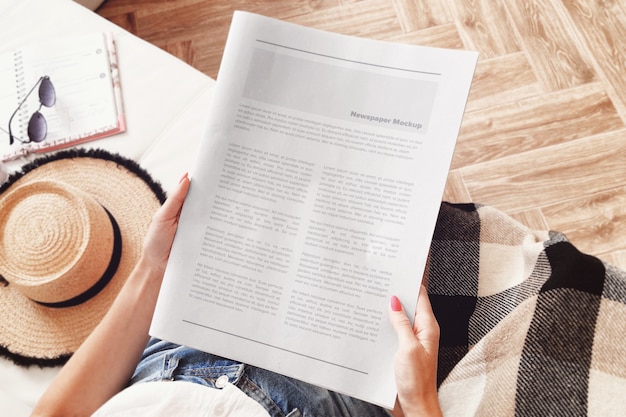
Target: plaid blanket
pixel 530 326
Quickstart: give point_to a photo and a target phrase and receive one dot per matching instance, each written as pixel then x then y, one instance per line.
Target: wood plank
pixel 199 16
pixel 375 19
pixel 455 190
pixel 602 24
pixel 534 123
pixel 484 26
pixel 532 218
pixel 192 19
pixel 420 14
pixel 500 80
pixel 549 175
pixel 616 258
pixel 124 20
pixel 184 50
pixel 440 36
pixel 549 38
pixel 118 7
pixel 593 223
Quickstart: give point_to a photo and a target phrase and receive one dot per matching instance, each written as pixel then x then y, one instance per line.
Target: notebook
pixel 84 72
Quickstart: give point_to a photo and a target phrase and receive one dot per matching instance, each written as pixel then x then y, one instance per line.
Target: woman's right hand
pixel 415 363
pixel 160 236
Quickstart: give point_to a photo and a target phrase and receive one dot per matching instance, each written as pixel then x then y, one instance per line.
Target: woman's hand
pixel 160 235
pixel 416 359
pixel 104 363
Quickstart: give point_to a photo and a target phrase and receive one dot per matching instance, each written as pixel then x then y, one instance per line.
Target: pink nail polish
pixel 396 305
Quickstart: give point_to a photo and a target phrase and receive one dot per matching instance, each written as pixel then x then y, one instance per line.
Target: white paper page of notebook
pixel 80 72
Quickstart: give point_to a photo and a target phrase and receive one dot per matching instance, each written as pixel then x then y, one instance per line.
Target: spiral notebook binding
pixel 21 119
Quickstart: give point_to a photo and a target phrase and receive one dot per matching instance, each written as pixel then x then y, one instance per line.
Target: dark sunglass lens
pixel 47 95
pixel 37 127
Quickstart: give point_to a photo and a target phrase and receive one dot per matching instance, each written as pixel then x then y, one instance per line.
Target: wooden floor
pixel 544 136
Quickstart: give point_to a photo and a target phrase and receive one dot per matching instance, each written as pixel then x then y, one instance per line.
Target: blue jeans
pixel 278 394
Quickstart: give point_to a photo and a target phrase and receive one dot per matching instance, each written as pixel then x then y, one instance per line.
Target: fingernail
pixel 396 305
pixel 183 177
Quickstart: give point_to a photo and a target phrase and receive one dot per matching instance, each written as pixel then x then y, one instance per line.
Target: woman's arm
pixel 104 363
pixel 416 359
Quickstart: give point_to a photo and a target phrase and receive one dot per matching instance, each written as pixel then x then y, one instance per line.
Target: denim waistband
pixel 281 396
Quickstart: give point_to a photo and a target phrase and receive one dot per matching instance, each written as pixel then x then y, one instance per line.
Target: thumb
pixel 173 204
pixel 426 326
pixel 400 322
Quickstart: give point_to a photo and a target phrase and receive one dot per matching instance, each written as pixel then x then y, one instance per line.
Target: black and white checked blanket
pixel 530 326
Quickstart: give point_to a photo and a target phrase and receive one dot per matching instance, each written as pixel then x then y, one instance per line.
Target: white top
pixel 180 398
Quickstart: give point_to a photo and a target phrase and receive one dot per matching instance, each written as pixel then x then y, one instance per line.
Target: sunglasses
pixel 37 126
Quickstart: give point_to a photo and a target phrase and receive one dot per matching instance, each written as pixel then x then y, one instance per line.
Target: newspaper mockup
pixel 313 201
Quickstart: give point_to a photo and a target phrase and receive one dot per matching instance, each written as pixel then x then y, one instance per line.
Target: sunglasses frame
pixel 43 101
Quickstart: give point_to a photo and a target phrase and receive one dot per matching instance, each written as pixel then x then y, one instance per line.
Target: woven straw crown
pixel 53 234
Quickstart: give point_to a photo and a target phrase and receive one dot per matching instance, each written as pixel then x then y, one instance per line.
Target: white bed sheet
pixel 165 102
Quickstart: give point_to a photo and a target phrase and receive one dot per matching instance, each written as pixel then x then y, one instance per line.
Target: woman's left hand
pixel 416 359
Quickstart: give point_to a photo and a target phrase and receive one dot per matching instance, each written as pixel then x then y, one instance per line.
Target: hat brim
pixel 31 334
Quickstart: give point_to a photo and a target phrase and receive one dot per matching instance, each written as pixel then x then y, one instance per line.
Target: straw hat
pixel 71 230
